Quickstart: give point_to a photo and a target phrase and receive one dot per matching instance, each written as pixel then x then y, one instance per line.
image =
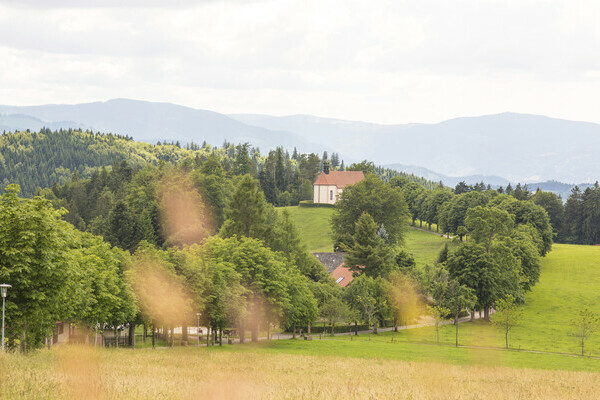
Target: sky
pixel 378 61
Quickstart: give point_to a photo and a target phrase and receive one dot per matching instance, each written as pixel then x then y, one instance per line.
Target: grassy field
pixel 313 224
pixel 315 230
pixel 570 279
pixel 272 373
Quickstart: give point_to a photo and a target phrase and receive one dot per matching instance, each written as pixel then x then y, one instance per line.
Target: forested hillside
pixel 40 159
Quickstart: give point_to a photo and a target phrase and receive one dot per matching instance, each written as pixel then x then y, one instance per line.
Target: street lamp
pixel 198 328
pixel 3 289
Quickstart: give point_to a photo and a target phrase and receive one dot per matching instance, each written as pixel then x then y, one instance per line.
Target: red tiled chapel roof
pixel 341 179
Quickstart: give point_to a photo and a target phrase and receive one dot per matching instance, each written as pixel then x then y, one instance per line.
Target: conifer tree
pixel 246 212
pixel 369 254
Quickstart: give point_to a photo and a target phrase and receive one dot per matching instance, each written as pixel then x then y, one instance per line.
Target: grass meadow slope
pixel 315 230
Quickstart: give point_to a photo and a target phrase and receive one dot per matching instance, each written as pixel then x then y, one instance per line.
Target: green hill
pixel 315 230
pixel 39 159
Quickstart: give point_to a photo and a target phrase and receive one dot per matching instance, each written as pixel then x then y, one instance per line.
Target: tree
pixel 334 310
pixel 453 213
pixel 458 297
pixel 462 187
pixel 369 254
pixel 246 212
pixel 242 164
pixel 585 324
pixel 508 315
pixel 364 295
pixel 526 212
pixel 385 204
pixel 402 297
pixel 121 227
pixel 434 203
pixel 36 261
pixel 554 208
pixel 437 313
pixel 266 275
pixel 365 166
pixel 487 223
pixel 472 266
pixel 573 218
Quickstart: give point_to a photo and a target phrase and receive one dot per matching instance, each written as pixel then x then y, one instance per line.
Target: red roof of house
pixel 341 179
pixel 342 275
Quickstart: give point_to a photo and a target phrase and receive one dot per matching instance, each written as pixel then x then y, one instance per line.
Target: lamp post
pixel 198 328
pixel 3 289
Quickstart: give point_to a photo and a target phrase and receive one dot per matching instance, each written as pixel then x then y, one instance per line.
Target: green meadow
pixel 315 230
pixel 570 280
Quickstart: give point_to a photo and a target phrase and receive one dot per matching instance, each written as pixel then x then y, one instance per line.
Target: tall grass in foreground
pixel 200 373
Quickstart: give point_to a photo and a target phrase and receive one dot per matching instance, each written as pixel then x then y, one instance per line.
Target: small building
pixel 330 184
pixel 342 275
pixel 334 262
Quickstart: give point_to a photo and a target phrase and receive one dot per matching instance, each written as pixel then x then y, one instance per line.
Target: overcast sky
pixel 378 61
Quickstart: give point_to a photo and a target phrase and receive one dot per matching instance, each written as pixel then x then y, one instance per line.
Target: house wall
pixel 322 194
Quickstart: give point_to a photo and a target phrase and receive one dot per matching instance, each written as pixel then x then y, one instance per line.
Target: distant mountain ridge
pixel 519 147
pixel 151 122
pixel 559 188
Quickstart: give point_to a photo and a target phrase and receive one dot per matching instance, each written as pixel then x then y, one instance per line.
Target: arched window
pixel 331 195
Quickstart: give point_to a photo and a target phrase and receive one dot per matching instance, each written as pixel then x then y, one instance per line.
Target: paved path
pixel 425 321
pixel 432 232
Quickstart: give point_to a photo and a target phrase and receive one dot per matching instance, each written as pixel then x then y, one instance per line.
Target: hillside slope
pixel 39 159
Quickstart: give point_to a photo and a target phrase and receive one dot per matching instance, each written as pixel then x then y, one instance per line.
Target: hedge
pixel 309 203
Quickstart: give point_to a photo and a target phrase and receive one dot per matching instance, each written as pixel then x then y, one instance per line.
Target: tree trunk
pixel 132 335
pixel 255 330
pixel 333 328
pixel 116 334
pixel 208 335
pixel 355 328
pixel 294 332
pixel 486 313
pixel 437 228
pixel 153 336
pixel 242 329
pixel 472 312
pixel 506 338
pixel 221 337
pixel 375 327
pixel 420 223
pixel 308 329
pixel 172 336
pixel 184 334
pixel 145 332
pixel 456 324
pixel 212 336
pixel 395 325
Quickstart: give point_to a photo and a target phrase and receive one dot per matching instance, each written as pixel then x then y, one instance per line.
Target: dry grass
pixel 198 373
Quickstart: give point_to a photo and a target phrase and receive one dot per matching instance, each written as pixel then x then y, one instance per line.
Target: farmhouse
pixel 334 262
pixel 330 184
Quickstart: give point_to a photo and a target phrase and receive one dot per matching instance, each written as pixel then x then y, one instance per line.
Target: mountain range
pixel 497 149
